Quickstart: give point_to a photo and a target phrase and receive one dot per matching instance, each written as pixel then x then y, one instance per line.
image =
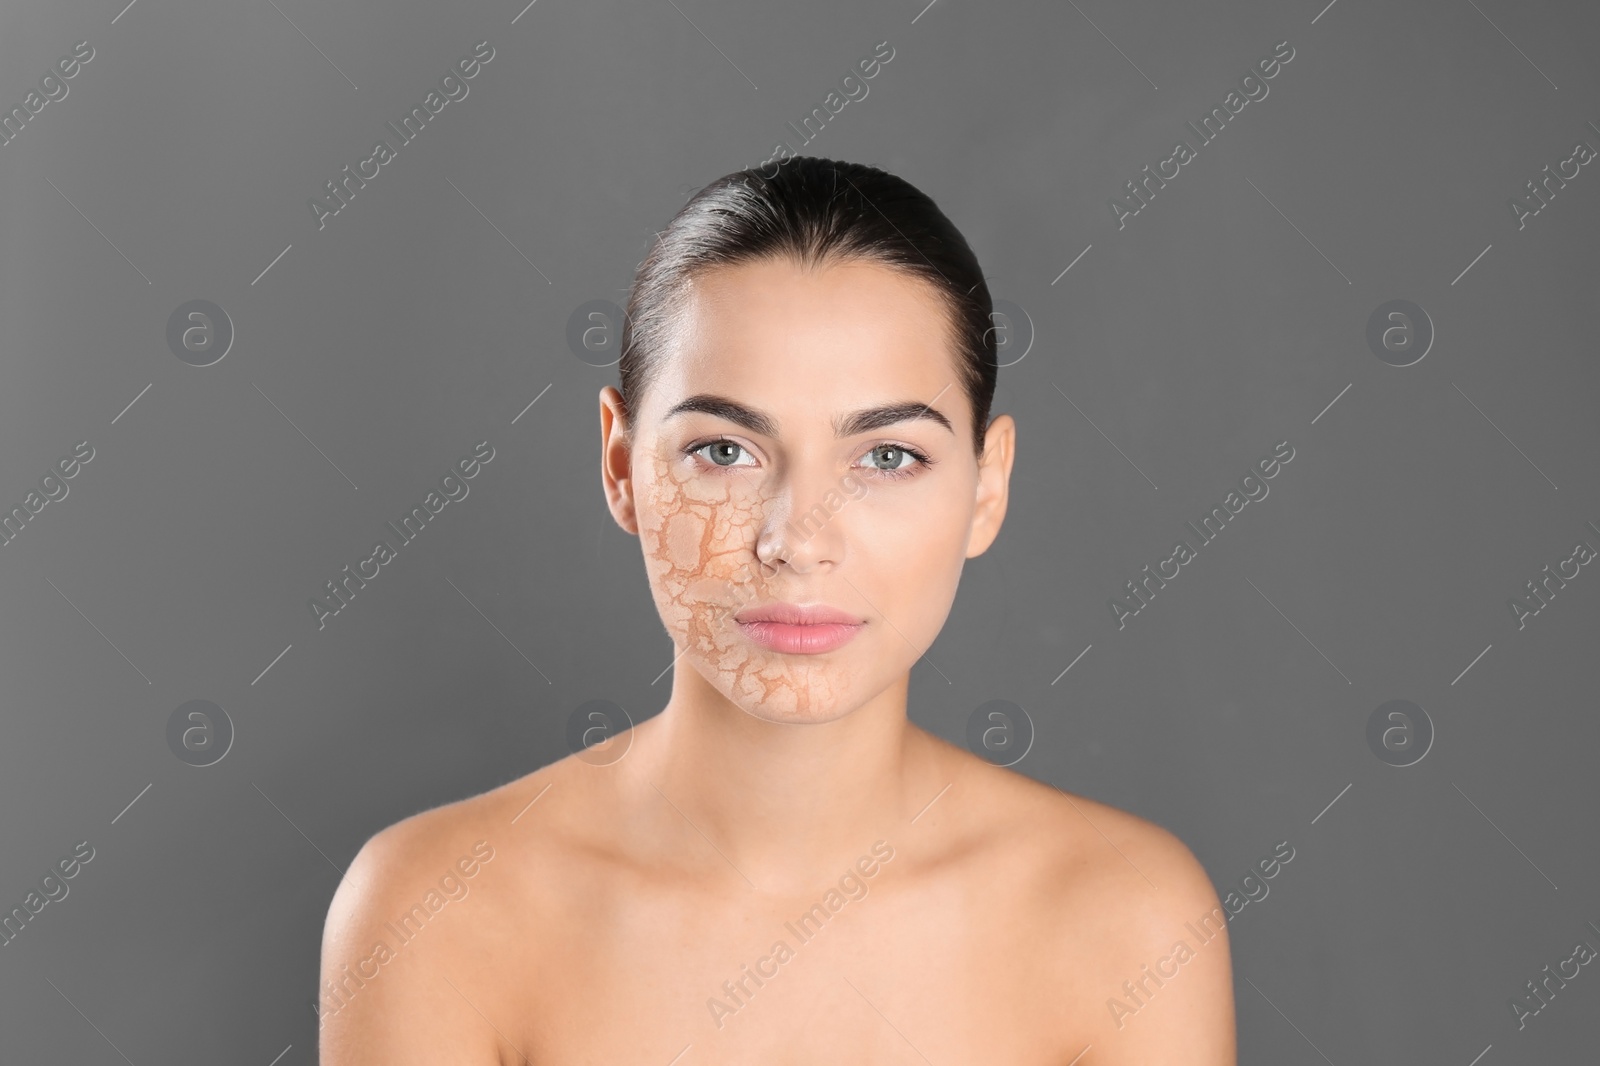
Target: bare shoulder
pixel 1096 852
pixel 1156 980
pixel 1118 850
pixel 1115 907
pixel 416 851
pixel 409 932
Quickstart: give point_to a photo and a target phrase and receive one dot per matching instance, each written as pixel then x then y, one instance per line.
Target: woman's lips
pixel 800 640
pixel 799 630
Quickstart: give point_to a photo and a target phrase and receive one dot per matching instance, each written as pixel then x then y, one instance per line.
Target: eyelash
pixel 904 472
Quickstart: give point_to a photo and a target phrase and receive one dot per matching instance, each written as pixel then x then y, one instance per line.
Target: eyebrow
pixel 863 421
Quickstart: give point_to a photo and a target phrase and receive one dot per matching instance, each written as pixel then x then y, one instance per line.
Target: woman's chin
pixel 779 713
pixel 783 689
pixel 801 698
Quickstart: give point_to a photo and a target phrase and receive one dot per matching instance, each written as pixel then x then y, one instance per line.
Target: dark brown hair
pixel 814 211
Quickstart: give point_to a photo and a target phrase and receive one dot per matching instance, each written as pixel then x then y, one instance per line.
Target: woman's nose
pixel 802 526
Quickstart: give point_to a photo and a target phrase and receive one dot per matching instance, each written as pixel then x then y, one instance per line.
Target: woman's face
pixel 805 441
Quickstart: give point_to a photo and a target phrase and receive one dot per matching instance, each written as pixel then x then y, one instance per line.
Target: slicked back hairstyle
pixel 813 211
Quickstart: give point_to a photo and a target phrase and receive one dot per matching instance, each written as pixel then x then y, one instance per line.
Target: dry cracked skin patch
pixel 699 536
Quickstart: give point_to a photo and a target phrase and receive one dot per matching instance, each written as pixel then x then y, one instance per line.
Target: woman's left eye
pixel 891 459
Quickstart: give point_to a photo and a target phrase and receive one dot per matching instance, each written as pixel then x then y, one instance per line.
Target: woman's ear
pixel 616 468
pixel 994 484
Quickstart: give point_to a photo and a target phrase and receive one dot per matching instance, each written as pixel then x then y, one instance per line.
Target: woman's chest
pixel 883 978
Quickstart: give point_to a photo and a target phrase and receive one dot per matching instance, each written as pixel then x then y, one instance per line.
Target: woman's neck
pixel 783 803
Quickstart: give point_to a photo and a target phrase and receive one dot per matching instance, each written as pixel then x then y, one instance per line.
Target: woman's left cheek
pixel 920 564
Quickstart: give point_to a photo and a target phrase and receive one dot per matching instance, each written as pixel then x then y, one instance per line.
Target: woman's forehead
pixel 820 341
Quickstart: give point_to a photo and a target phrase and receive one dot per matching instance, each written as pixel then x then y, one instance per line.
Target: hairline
pixel 678 288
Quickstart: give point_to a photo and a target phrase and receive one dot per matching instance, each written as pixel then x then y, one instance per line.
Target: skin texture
pixel 706 898
pixel 712 536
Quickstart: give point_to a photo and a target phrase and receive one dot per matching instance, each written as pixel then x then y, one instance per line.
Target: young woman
pixel 781 867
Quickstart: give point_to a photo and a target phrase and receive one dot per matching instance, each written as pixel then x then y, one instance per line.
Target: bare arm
pixel 395 982
pixel 1169 994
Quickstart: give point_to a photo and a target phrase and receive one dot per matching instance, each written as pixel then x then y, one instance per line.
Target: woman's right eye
pixel 720 452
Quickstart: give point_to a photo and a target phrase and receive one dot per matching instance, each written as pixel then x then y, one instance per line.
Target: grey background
pixel 1227 316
